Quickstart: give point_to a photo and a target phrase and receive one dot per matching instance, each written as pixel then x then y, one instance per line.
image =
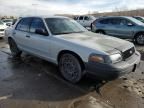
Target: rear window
pixel 24 24
pixel 115 21
pixel 104 21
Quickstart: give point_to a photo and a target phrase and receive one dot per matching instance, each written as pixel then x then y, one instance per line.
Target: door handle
pixel 27 36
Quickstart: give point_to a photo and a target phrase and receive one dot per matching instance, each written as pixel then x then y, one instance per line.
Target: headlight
pixel 96 58
pixel 116 58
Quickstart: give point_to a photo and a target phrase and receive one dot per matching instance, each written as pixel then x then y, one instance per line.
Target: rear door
pixel 107 26
pixel 20 33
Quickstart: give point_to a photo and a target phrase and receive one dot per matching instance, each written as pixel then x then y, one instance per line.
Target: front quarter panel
pixel 58 45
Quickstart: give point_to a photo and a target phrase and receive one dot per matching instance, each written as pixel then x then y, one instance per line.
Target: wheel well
pixel 100 30
pixel 74 54
pixel 91 25
pixel 9 38
pixel 138 33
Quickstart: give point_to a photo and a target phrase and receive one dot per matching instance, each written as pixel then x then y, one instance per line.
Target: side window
pixel 24 24
pixel 125 22
pixel 81 18
pixel 115 21
pixel 86 18
pixel 105 21
pixel 37 23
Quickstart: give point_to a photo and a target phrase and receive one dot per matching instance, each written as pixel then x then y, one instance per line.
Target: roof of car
pixel 116 17
pixel 127 17
pixel 43 16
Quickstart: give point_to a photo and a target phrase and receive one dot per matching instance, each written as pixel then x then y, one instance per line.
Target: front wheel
pixel 140 38
pixel 70 68
pixel 14 49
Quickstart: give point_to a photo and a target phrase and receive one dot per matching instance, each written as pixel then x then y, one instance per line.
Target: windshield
pixel 135 21
pixel 63 26
pixel 140 19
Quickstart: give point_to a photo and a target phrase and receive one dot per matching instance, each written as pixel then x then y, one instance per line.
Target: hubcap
pixel 13 48
pixel 69 68
pixel 140 39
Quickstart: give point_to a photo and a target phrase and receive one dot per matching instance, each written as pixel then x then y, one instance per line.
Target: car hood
pixel 97 41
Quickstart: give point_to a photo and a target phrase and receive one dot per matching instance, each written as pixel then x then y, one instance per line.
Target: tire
pixel 100 32
pixel 91 27
pixel 70 68
pixel 139 39
pixel 14 49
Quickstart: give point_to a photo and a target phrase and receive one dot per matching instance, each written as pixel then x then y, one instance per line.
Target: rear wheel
pixel 139 38
pixel 70 68
pixel 14 49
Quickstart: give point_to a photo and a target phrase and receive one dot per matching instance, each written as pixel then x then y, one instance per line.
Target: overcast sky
pixel 27 7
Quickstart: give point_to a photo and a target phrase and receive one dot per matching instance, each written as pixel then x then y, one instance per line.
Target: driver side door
pixel 125 28
pixel 39 42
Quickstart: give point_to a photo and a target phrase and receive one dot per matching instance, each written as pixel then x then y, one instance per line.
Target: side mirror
pixel 41 32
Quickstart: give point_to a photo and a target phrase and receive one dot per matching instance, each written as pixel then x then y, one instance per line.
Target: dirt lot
pixel 34 83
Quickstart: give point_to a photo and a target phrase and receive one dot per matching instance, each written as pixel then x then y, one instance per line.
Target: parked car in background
pixel 121 27
pixel 14 21
pixel 2 28
pixel 85 21
pixel 139 18
pixel 73 48
pixel 8 22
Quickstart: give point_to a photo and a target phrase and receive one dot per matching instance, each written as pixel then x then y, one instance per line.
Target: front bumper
pixel 112 71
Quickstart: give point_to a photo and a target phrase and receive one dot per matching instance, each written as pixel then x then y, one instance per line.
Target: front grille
pixel 1 29
pixel 128 53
